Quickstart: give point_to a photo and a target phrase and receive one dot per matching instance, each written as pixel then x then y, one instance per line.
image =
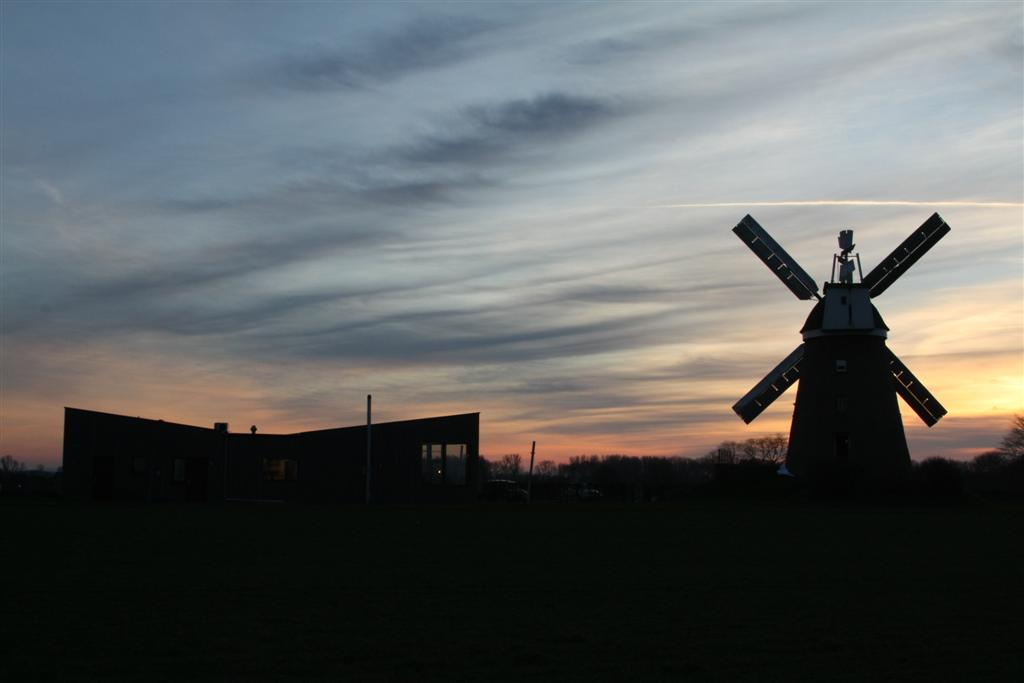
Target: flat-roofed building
pixel 108 456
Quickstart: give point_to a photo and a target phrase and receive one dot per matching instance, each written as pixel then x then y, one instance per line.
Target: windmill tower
pixel 846 420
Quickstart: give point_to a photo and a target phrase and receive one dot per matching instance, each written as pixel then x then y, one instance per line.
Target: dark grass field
pixel 713 590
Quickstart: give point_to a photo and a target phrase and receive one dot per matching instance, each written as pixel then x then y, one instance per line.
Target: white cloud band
pixel 847 202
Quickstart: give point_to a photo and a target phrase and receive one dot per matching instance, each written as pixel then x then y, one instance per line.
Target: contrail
pixel 847 202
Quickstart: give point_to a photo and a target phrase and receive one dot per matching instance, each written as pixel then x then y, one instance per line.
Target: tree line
pixel 17 480
pixel 1000 470
pixel 997 471
pixel 624 477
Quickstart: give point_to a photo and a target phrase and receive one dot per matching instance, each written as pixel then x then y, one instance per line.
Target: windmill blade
pixel 906 255
pixel 771 387
pixel 776 258
pixel 914 393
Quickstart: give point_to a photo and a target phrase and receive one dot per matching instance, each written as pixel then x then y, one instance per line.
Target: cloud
pixel 853 202
pixel 360 188
pixel 51 190
pixel 600 293
pixel 427 43
pixel 449 321
pixel 470 336
pixel 545 114
pixel 694 27
pixel 184 290
pixel 490 131
pixel 409 175
pixel 958 437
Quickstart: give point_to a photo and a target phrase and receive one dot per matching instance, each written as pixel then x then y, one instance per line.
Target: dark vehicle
pixel 587 492
pixel 504 490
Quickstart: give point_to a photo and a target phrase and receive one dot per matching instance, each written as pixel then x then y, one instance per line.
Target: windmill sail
pixel 776 258
pixel 914 393
pixel 771 387
pixel 906 255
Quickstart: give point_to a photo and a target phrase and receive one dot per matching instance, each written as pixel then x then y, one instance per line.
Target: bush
pixel 939 479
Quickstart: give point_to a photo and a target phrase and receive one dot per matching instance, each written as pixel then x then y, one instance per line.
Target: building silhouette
pixel 114 457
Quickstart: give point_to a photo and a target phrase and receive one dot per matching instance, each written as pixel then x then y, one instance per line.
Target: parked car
pixel 503 490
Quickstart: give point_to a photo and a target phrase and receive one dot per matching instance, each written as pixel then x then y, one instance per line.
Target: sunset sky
pixel 259 213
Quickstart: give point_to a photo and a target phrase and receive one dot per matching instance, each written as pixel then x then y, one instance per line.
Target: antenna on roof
pixel 844 260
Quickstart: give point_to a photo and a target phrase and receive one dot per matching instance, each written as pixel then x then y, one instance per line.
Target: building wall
pixel 116 457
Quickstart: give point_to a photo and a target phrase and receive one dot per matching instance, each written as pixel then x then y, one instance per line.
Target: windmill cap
pixel 845 309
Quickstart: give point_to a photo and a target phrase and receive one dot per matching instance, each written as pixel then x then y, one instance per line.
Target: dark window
pixel 425 465
pixel 842 445
pixel 280 469
pixel 139 464
pixel 179 469
pixel 840 366
pixel 842 404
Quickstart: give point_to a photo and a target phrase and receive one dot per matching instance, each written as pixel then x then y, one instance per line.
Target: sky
pixel 258 213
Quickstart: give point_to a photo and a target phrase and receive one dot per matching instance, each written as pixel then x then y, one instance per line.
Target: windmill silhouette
pixel 846 419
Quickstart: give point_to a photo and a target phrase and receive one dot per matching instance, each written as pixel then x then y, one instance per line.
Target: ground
pixel 713 590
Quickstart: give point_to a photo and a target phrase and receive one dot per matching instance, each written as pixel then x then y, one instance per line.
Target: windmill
pixel 846 420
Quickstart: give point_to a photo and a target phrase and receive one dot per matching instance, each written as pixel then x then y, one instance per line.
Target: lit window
pixel 280 469
pixel 432 462
pixel 443 463
pixel 455 463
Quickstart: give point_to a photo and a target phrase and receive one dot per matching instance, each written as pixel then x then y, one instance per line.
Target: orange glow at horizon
pixel 981 392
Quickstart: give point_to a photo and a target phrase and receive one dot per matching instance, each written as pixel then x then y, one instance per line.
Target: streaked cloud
pixel 422 44
pixel 850 202
pixel 493 131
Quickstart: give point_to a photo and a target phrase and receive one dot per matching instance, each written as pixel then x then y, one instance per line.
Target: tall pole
pixel 529 477
pixel 369 422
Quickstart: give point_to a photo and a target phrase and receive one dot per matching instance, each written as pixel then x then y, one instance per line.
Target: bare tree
pixel 9 465
pixel 767 449
pixel 727 453
pixel 546 468
pixel 770 448
pixel 749 450
pixel 509 465
pixel 1012 445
